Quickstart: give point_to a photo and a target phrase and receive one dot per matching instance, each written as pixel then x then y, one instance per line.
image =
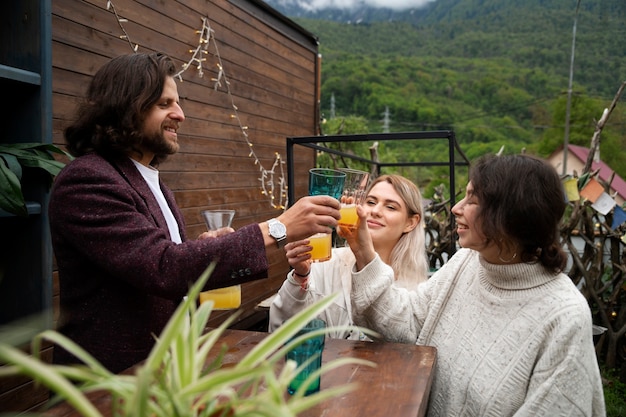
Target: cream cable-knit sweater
pixel 512 340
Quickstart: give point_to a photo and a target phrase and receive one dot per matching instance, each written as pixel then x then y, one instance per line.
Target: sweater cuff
pixel 294 289
pixel 374 274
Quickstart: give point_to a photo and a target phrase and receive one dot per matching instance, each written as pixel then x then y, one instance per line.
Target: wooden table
pixel 398 386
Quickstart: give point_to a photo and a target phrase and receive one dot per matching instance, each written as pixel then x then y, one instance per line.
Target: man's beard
pixel 158 145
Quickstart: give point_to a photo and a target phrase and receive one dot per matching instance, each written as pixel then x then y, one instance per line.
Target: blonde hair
pixel 408 257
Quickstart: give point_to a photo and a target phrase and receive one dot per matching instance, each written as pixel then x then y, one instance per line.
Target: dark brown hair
pixel 118 98
pixel 521 202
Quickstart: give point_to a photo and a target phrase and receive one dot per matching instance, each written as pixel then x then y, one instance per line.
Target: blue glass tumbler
pixel 309 354
pixel 325 181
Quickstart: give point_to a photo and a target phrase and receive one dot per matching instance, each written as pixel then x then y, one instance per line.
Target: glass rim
pixel 333 172
pixel 315 323
pixel 353 171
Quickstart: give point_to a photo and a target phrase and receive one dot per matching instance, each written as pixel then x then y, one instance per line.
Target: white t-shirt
pixel 151 175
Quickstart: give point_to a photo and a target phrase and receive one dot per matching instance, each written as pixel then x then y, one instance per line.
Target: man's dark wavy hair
pixel 118 99
pixel 521 201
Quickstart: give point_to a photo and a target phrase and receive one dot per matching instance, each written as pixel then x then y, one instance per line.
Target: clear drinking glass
pixel 354 189
pixel 229 297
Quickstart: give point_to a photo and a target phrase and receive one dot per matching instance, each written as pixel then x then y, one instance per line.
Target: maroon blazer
pixel 121 277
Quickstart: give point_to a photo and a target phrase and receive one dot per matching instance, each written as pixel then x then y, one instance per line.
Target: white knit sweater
pixel 326 278
pixel 512 340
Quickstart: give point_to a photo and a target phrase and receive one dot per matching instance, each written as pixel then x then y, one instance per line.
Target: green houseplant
pixel 16 156
pixel 175 380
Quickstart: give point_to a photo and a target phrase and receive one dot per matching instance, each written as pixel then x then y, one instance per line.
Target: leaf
pixel 168 334
pixel 34 146
pixel 15 155
pixel 61 340
pixel 11 197
pixel 47 375
pixel 52 166
pixel 12 163
pixel 288 329
pixel 176 378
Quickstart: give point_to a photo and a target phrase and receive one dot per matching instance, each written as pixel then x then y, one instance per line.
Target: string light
pixel 272 181
pixel 197 55
pixel 111 6
pixel 267 178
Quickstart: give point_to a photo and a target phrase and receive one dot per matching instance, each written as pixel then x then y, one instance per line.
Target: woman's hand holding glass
pixel 299 257
pixel 359 240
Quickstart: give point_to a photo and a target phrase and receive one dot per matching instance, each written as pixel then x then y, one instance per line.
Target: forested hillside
pixel 494 71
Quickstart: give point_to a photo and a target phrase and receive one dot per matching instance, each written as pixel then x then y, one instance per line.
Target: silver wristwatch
pixel 278 231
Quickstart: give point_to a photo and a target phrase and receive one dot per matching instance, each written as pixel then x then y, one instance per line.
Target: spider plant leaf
pixel 72 347
pixel 138 404
pixel 170 331
pixel 46 375
pixel 222 378
pixel 287 330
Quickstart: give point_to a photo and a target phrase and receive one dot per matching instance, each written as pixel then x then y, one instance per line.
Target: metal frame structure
pixel 313 143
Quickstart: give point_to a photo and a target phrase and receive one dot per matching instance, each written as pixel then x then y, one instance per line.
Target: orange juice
pixel 349 219
pixel 223 298
pixel 322 244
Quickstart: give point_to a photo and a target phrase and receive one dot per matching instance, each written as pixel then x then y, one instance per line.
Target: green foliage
pixel 495 72
pixel 14 157
pixel 175 379
pixel 614 394
pixel 348 125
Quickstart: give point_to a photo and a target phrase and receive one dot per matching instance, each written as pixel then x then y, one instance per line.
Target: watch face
pixel 277 229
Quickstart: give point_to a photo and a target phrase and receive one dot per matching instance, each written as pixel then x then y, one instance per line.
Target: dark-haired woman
pixel 512 332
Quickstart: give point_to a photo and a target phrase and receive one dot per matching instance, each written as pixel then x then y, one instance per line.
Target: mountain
pixel 532 33
pixel 440 11
pixel 494 71
pixel 359 13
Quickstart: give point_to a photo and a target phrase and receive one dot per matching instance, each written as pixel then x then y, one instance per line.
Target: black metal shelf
pixel 18 74
pixel 26 82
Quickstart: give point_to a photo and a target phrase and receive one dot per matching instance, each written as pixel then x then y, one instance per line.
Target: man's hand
pixel 216 233
pixel 310 215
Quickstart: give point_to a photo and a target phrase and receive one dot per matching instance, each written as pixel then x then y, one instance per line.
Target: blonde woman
pixel 395 222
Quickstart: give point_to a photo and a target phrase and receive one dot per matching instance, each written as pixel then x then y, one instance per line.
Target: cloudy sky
pixel 348 4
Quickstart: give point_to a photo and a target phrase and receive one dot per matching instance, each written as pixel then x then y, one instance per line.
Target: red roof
pixel 618 184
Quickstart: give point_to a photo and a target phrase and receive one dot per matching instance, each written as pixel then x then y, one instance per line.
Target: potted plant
pixel 16 156
pixel 175 380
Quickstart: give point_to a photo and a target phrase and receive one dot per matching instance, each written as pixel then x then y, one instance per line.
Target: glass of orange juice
pixel 229 297
pixel 322 246
pixel 354 189
pixel 223 298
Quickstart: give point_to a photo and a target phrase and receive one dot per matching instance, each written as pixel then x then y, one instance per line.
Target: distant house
pixel 576 159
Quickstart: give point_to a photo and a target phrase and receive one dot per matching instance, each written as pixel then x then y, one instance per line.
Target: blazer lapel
pixel 136 180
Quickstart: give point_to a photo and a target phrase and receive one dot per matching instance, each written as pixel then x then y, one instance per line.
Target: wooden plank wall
pixel 271 67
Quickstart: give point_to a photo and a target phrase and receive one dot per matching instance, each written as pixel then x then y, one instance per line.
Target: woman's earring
pixel 508 260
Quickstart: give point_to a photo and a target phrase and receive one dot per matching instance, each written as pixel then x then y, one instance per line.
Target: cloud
pixel 313 5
